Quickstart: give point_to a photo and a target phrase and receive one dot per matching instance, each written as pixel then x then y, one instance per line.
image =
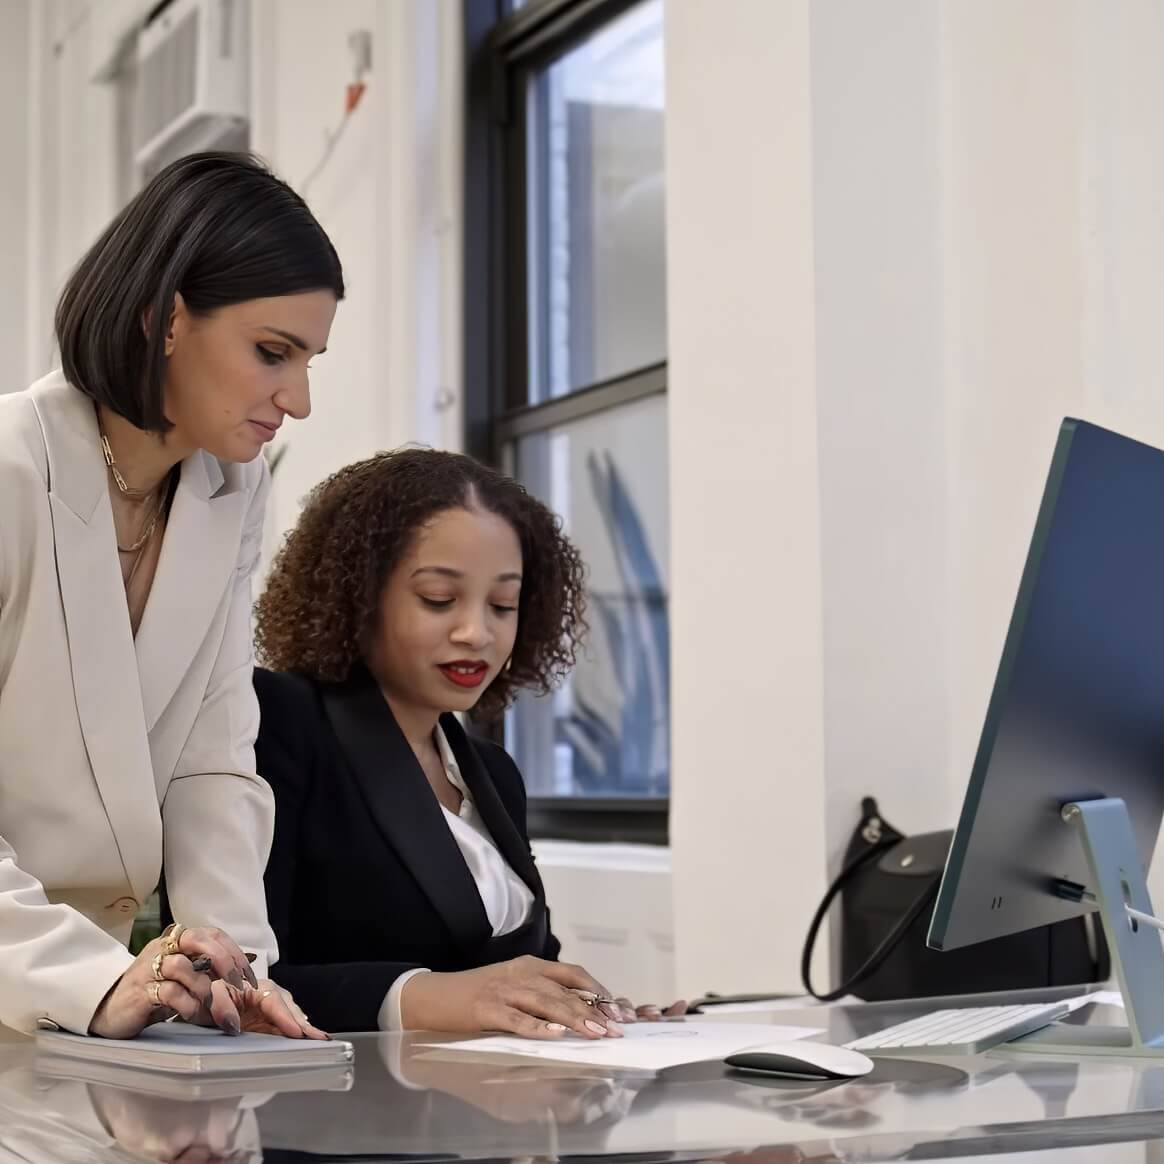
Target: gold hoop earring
pixel 508 664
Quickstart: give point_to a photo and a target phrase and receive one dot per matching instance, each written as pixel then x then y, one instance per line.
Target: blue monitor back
pixel 1077 710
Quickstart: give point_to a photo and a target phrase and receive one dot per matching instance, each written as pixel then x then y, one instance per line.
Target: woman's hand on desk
pixel 525 996
pixel 268 1009
pixel 222 992
pixel 140 997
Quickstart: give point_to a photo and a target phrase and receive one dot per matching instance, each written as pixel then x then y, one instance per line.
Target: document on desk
pixel 645 1046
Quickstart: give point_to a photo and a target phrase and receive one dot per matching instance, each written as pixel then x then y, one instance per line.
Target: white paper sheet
pixel 771 1005
pixel 1102 997
pixel 644 1046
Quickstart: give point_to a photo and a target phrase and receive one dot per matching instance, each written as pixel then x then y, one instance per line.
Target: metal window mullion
pixel 613 394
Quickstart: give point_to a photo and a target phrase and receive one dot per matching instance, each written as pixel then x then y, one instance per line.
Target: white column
pixel 882 412
pixel 748 816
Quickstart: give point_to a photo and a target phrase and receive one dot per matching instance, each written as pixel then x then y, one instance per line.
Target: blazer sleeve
pixel 218 814
pixel 339 996
pixel 67 963
pixel 511 788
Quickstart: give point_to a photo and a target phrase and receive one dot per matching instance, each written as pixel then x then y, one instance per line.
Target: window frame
pixel 503 47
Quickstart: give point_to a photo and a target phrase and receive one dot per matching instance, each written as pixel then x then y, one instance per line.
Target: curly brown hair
pixel 320 605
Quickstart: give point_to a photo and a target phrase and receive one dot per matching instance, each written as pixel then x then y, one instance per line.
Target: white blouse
pixel 507 899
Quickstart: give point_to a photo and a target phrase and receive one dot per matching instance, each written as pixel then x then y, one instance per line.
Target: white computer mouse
pixel 802 1060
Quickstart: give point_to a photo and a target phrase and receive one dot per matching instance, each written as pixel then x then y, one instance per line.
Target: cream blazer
pixel 119 755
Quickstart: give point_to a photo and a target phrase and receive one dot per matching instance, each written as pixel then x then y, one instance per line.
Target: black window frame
pixel 503 46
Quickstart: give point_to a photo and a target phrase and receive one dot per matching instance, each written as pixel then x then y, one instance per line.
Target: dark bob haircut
pixel 320 608
pixel 218 227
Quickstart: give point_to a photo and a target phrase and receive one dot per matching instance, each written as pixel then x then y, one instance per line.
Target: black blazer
pixel 365 880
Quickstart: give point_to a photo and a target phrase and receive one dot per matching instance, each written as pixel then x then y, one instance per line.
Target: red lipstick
pixel 464 672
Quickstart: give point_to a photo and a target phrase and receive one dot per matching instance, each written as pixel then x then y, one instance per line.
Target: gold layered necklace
pixel 158 495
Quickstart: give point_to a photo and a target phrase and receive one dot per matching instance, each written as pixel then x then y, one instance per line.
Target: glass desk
pixel 409 1102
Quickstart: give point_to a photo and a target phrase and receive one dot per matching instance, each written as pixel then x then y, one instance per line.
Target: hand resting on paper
pixel 526 996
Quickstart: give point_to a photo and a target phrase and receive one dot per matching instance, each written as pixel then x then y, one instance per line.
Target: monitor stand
pixel 1137 954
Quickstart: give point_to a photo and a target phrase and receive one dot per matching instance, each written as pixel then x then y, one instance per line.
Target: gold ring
pixel 172 937
pixel 596 999
pixel 157 968
pixel 154 993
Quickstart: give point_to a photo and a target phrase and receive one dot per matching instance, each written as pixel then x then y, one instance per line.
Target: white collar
pixel 452 770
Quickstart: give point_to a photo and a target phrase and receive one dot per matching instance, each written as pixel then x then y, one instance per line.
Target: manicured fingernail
pixel 201 963
pixel 614 1029
pixel 230 1024
pixel 250 956
pixel 251 977
pixel 557 1028
pixel 597 1028
pixel 235 979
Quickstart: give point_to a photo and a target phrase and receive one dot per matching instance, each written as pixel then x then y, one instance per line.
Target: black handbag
pixel 890 883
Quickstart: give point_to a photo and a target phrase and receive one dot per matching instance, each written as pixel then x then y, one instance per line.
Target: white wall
pixel 14 188
pixel 71 158
pixel 390 199
pixel 610 907
pixel 747 819
pixel 968 201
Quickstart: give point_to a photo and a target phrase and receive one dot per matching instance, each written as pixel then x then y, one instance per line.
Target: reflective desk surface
pixel 405 1101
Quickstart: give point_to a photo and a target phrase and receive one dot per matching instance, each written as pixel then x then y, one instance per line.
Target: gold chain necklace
pixel 119 480
pixel 158 493
pixel 147 531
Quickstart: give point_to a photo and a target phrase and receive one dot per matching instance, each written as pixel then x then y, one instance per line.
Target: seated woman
pixel 401 886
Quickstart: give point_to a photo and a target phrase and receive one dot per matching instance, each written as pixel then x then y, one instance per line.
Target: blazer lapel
pixel 502 828
pixel 101 652
pixel 197 565
pixel 403 806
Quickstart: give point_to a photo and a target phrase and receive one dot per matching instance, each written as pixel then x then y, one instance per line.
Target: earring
pixel 508 664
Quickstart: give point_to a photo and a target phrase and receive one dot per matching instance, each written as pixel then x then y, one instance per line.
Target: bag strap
pixel 889 944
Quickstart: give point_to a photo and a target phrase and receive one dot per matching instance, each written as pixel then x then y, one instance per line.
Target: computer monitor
pixel 1066 793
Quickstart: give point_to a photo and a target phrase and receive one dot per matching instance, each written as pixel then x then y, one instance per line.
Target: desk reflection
pixel 57 1121
pixel 412 1100
pixel 409 1097
pixel 57 1110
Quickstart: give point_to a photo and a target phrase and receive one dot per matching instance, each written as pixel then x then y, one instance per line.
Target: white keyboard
pixel 966 1031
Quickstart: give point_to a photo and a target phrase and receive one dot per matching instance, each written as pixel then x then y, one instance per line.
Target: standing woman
pixel 132 492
